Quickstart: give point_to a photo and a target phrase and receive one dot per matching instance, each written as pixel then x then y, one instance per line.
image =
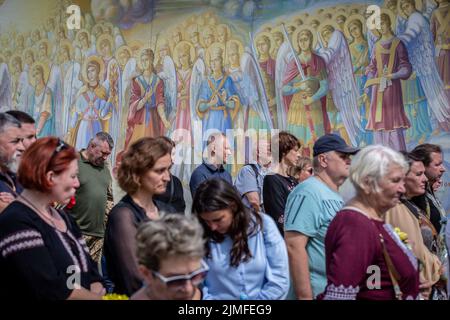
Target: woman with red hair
pixel 43 256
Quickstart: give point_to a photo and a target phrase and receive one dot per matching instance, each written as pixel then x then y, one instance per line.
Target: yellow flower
pixel 115 296
pixel 402 235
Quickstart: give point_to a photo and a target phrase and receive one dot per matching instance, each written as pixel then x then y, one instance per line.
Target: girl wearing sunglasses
pixel 245 251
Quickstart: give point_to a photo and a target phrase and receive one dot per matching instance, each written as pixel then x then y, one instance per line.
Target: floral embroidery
pixel 341 293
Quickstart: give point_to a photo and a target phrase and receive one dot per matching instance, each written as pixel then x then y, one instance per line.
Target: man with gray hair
pixel 93 199
pixel 309 210
pixel 11 149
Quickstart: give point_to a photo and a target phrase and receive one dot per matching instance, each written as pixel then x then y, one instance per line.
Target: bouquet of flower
pixel 403 237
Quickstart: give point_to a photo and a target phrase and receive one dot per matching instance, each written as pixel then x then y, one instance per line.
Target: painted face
pixel 218 221
pixel 263 46
pixel 36 36
pixel 416 180
pixel 304 41
pixel 234 58
pixel 194 38
pixel 99 153
pixel 11 147
pixel 164 51
pixel 29 58
pixel 278 38
pixel 37 75
pixel 66 183
pixel 146 61
pixel 84 39
pixel 385 26
pixel 184 58
pixel 355 30
pixel 326 34
pixel 64 54
pixel 42 50
pixel 124 56
pixel 208 39
pixel 340 20
pixel 92 73
pixel 105 48
pixel 392 187
pixel 17 65
pixel 155 180
pixel 436 168
pixel 222 35
pixel 314 24
pixel 173 266
pixel 176 37
pixel 29 134
pixel 216 64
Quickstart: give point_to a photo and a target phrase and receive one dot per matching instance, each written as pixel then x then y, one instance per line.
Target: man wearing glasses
pixel 170 254
pixel 309 210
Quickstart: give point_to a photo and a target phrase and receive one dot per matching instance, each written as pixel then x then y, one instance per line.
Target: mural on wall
pixel 181 68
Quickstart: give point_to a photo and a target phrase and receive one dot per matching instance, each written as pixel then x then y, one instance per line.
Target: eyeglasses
pixel 310 171
pixel 176 282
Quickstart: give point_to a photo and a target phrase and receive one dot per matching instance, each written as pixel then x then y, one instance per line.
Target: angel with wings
pixel 146 114
pixel 70 70
pixel 20 85
pixel 218 101
pixel 418 39
pixel 335 52
pixel 414 99
pixel 301 103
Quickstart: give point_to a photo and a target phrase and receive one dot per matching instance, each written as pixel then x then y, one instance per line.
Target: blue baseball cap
pixel 332 142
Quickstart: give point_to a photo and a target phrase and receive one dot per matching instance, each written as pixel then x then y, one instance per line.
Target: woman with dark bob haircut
pixel 43 255
pixel 246 254
pixel 143 173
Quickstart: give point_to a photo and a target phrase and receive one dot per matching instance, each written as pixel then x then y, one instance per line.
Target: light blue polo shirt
pixel 310 208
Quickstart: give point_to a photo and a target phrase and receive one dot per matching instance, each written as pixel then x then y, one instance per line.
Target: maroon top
pixel 354 254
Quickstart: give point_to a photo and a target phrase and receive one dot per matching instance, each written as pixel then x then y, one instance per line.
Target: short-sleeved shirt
pixel 250 179
pixel 91 197
pixel 207 171
pixel 309 210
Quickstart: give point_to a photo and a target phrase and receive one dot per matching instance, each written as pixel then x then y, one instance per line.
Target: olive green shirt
pixel 92 197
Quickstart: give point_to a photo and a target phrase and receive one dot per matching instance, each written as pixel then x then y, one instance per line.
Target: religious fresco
pixel 186 68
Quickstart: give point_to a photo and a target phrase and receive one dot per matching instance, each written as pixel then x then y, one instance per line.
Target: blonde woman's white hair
pixel 371 164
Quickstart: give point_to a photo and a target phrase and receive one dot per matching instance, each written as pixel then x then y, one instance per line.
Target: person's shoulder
pixel 246 170
pixel 350 218
pixel 15 215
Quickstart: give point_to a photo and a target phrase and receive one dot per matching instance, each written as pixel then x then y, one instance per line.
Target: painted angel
pixel 168 75
pixel 419 43
pixel 342 85
pixel 301 102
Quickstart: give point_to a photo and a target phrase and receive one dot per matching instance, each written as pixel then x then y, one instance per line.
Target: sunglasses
pixel 60 146
pixel 177 282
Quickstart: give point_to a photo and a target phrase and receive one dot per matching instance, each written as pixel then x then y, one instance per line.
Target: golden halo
pixel 108 25
pixel 95 27
pixel 266 34
pixel 324 15
pixel 67 44
pixel 46 72
pixel 77 38
pixel 418 6
pixel 391 17
pixel 101 39
pixel 310 19
pixel 25 52
pixel 211 49
pixel 88 60
pixel 14 57
pixel 297 32
pixel 227 27
pixel 328 23
pixel 135 46
pixel 239 45
pixel 177 48
pixel 123 48
pixel 48 45
pixel 352 18
pixel 140 54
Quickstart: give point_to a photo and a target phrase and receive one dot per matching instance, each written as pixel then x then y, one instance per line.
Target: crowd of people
pixel 280 230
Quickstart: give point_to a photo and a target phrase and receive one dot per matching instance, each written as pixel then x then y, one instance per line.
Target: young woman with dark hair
pixel 245 252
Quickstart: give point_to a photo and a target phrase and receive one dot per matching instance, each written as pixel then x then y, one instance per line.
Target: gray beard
pixel 13 165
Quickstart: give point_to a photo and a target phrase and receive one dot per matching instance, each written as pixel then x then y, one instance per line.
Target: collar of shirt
pixel 213 168
pixel 85 160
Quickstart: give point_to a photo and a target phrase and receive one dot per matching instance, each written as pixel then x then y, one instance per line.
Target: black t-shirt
pixel 174 195
pixel 276 190
pixel 37 260
pixel 430 209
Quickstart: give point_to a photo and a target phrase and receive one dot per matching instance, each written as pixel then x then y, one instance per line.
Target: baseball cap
pixel 332 142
